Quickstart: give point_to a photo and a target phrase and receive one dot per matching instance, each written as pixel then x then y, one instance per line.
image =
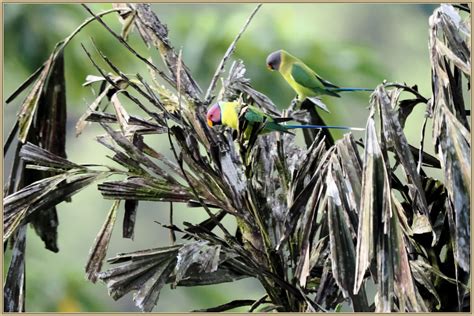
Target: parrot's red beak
pixel 209 122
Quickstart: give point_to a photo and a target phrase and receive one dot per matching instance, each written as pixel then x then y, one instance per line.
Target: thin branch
pixel 64 42
pixel 227 306
pixel 25 84
pixel 407 88
pixel 155 33
pixel 80 27
pixel 462 7
pixel 124 92
pixel 257 303
pixel 172 233
pixel 134 52
pixel 420 151
pixel 12 182
pixel 10 138
pixel 152 100
pixel 178 78
pixel 230 50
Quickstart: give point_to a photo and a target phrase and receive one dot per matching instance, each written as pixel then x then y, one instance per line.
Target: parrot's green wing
pixel 326 83
pixel 309 79
pixel 255 115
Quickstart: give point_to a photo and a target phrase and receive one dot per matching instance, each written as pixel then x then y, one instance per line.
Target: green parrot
pixel 305 81
pixel 232 113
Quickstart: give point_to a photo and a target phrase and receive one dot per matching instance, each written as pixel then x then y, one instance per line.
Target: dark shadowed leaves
pixel 199 253
pixel 145 189
pixel 38 156
pixel 373 193
pixel 42 195
pixel 104 94
pixel 138 123
pixel 309 175
pixel 236 83
pixel 454 149
pixel 101 243
pixel 50 76
pixel 405 109
pixel 394 136
pixel 351 164
pixel 226 306
pixel 146 272
pixel 343 255
pixel 25 84
pixel 315 225
pixel 225 273
pixel 14 288
pixel 154 33
pixel 136 154
pixel 404 286
pixel 149 292
pixel 450 129
pixel 141 271
pixel 42 120
pixel 129 218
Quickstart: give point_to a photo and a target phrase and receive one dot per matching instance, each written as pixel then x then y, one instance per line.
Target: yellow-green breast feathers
pixel 286 67
pixel 230 114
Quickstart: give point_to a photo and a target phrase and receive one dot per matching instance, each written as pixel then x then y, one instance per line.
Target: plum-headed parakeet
pixel 232 114
pixel 306 82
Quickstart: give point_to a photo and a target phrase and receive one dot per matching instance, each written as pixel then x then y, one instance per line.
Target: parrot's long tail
pixel 324 126
pixel 349 89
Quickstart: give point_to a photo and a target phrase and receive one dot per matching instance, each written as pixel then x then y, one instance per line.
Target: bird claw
pixel 293 104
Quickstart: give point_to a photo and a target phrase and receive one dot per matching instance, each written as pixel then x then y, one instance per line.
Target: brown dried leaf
pixel 98 250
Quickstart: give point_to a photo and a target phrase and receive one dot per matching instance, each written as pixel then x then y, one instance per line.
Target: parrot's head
pixel 274 60
pixel 214 115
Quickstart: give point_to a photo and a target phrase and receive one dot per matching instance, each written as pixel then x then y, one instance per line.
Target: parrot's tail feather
pixel 350 89
pixel 324 126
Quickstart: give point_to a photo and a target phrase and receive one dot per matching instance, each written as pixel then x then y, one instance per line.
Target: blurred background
pixel 351 45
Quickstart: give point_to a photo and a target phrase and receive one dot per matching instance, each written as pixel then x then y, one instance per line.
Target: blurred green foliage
pixel 352 45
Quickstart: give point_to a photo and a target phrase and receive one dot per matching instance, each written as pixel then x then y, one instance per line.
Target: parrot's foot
pixel 294 103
